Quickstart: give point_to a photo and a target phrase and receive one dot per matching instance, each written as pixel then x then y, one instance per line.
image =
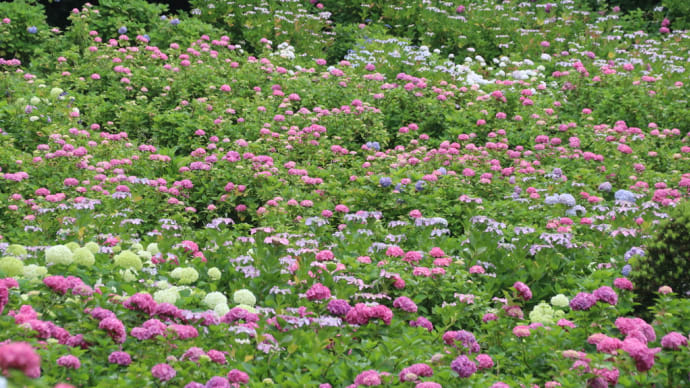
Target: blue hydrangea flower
pixel 625 195
pixel 147 37
pixel 626 270
pixel 606 186
pixel 163 17
pixel 575 210
pixel 385 181
pixel 443 171
pixel 419 186
pixel 32 30
pixel 175 21
pixel 566 199
pixel 634 251
pixel 373 145
pixel 122 30
pixel 551 199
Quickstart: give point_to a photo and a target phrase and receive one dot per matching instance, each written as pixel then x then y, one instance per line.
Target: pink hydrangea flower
pixel 318 292
pixel 163 372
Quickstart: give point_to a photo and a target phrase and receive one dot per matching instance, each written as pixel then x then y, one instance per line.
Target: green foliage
pixel 17 38
pixel 138 16
pixel 678 13
pixel 667 262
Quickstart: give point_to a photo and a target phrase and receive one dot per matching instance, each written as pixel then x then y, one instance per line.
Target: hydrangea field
pixel 291 193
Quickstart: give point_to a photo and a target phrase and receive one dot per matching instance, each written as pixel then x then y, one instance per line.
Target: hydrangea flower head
pixel 16 250
pixel 83 256
pixel 92 247
pixel 185 275
pixel 559 300
pixel 583 301
pixel 213 299
pixel 11 266
pixel 153 249
pixel 73 246
pixel 244 296
pixel 34 272
pixel 624 195
pixel 463 366
pixel 59 254
pixel 214 273
pixel 168 295
pixel 128 259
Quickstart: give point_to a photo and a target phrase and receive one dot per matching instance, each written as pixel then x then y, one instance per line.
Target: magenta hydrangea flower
pixel 643 356
pixel 463 366
pixel 338 307
pixel 120 358
pixel 368 378
pixel 406 304
pixel 237 376
pixel 4 298
pixel 485 361
pixel 521 331
pixel 318 292
pixel 163 372
pixel 217 382
pixel 606 294
pixel 609 345
pixel 422 322
pixel 69 361
pixel 523 290
pixel 623 284
pixel 20 356
pixel 583 301
pixel 674 340
pixel 217 356
pixel 428 384
pixel 418 370
pixel 115 328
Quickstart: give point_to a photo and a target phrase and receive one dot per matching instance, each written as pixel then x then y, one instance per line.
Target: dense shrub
pixel 23 29
pixel 667 261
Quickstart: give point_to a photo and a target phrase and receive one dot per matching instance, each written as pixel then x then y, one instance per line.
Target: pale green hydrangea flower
pixel 542 313
pixel 128 275
pixel 83 256
pixel 153 249
pixel 214 273
pixel 185 275
pixel 92 246
pixel 136 247
pixel 162 284
pixel 128 259
pixel 34 272
pixel 11 266
pixel 56 92
pixel 560 300
pixel 59 254
pixel 16 250
pixel 169 295
pixel 244 296
pixel 221 309
pixel 247 307
pixel 213 299
pixel 73 246
pixel 146 255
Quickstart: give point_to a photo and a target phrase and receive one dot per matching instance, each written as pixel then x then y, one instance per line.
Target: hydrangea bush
pixel 295 194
